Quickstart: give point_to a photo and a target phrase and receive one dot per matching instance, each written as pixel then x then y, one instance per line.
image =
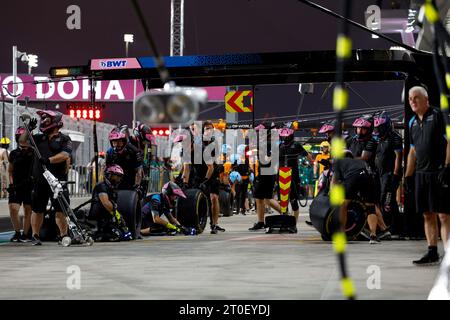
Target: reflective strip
pixel 348 287
pixel 444 102
pixel 431 12
pixel 337 195
pixel 339 242
pixel 340 98
pixel 337 148
pixel 447 80
pixel 343 47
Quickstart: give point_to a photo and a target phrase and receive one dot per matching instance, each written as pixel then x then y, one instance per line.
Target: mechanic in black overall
pixel 364 147
pixel 20 185
pixel 110 224
pixel 388 164
pixel 129 158
pixel 359 182
pixel 264 178
pixel 55 149
pixel 203 175
pixel 290 153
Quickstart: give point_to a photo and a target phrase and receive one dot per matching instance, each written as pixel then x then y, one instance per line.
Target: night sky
pixel 211 27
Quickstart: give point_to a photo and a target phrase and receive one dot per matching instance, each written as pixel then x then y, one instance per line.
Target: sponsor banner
pixel 115 64
pixel 38 88
pixel 239 126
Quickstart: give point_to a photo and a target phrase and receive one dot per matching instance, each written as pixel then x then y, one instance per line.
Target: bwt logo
pixel 113 64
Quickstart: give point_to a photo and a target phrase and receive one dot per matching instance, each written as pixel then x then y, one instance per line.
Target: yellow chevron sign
pixel 239 101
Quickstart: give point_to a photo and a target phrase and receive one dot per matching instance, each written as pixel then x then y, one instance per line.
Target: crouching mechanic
pixel 157 205
pixel 110 224
pixel 55 149
pixel 355 175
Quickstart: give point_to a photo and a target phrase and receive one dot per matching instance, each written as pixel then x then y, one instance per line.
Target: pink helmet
pixel 116 134
pixel 179 138
pixel 54 122
pixel 114 169
pixel 285 132
pixel 172 189
pixel 365 121
pixel 328 127
pixel 260 127
pixel 19 132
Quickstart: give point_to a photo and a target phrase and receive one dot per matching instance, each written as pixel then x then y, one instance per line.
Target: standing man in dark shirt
pixel 55 149
pixel 127 156
pixel 429 158
pixel 21 186
pixel 204 175
pixel 388 162
pixel 243 168
pixel 290 152
pixel 265 178
pixel 207 176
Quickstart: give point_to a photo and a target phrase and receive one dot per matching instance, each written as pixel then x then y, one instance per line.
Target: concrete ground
pixel 237 264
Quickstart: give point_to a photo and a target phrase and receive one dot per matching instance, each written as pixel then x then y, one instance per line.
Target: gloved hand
pixel 11 189
pixel 126 235
pixel 187 231
pixel 444 175
pixel 408 184
pixel 119 219
pixel 32 124
pixel 44 161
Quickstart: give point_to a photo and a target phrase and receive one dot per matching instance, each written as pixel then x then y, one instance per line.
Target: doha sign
pixel 39 88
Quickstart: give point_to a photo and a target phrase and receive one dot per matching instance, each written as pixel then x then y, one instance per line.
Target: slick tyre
pixel 128 205
pixel 194 210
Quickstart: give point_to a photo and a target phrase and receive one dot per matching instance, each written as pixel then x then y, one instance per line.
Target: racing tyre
pixel 225 200
pixel 193 211
pixel 129 206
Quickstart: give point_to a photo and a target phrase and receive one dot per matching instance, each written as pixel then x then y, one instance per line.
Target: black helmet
pixel 144 133
pixel 382 124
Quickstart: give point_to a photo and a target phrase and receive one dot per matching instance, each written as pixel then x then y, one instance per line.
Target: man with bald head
pixel 429 158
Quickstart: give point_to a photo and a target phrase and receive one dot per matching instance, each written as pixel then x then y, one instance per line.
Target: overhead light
pixel 32 60
pixel 397 48
pixel 128 38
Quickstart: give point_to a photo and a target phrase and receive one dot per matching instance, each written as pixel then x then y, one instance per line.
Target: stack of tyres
pixel 325 219
pixel 193 211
